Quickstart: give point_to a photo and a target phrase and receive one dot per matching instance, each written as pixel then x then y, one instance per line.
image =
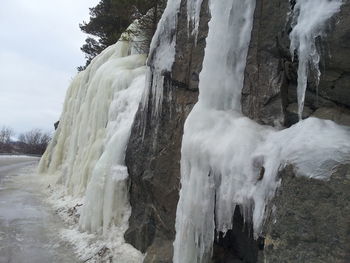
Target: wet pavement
pixel 29 228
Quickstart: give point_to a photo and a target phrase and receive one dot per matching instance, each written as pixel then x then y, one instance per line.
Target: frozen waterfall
pixel 224 152
pixel 87 152
pixel 309 19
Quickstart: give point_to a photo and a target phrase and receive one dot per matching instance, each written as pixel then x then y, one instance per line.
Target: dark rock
pixel 238 244
pixel 271 75
pixel 153 159
pixel 56 124
pixel 309 220
pixel 336 59
pixel 291 113
pixel 338 115
pixel 263 94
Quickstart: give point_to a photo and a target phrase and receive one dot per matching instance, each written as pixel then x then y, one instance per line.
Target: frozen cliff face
pixel 228 159
pixel 153 160
pixel 88 150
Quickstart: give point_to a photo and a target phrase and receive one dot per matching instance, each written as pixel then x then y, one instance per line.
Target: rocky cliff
pixel 269 94
pixel 153 158
pixel 308 220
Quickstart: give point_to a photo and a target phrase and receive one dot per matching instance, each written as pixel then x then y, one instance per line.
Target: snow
pixel 89 247
pixel 310 17
pixel 84 163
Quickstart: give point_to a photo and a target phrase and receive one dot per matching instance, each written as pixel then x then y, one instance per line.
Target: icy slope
pixel 87 152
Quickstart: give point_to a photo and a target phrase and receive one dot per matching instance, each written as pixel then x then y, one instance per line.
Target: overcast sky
pixel 39 51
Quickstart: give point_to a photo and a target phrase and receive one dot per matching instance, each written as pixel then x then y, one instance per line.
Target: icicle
pixel 310 17
pixel 220 85
pixel 193 15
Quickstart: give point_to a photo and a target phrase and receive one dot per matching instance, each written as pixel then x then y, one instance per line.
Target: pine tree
pixel 110 18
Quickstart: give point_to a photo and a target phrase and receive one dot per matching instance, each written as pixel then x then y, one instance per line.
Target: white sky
pixel 40 44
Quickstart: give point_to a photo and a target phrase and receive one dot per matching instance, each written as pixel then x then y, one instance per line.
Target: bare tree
pixel 34 141
pixel 5 134
pixel 5 139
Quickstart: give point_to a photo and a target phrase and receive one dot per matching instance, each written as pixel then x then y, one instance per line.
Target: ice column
pixel 220 85
pixel 310 17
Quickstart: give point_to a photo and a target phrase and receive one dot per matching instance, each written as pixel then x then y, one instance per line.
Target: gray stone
pixel 309 220
pixel 292 109
pixel 338 115
pixel 271 75
pixel 263 95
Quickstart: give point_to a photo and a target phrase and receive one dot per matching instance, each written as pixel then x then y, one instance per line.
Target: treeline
pixel 32 142
pixel 110 18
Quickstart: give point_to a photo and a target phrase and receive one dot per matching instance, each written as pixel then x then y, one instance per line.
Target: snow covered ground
pixel 88 247
pixel 39 222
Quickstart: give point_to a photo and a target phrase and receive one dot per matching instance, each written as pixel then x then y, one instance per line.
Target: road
pixel 29 228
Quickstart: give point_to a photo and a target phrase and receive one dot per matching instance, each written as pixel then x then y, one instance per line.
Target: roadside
pixel 29 227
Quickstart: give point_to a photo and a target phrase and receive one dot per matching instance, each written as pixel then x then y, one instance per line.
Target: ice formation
pixel 223 152
pixel 310 17
pixel 88 150
pixel 193 15
pixel 161 57
pixel 209 131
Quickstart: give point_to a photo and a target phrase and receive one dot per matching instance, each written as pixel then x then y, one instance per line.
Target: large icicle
pixel 88 150
pixel 221 81
pixel 310 17
pixel 228 159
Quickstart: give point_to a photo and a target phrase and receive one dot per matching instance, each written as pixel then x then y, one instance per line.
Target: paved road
pixel 28 227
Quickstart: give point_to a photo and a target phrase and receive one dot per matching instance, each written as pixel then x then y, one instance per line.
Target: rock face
pixel 153 160
pixel 269 94
pixel 333 90
pixel 309 220
pixel 334 84
pixel 265 86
